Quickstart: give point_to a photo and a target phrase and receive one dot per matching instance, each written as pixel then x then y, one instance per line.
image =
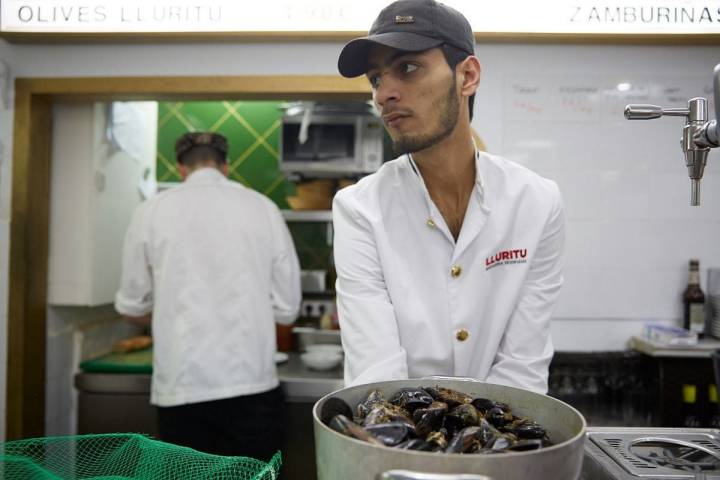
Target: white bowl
pixel 320 360
pixel 325 347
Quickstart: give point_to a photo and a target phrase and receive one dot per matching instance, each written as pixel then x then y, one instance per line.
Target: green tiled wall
pixel 253 132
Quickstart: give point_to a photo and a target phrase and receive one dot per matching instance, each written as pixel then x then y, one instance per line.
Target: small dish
pixel 325 347
pixel 320 360
pixel 281 357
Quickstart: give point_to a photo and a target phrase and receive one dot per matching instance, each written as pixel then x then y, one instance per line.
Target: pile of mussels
pixel 435 419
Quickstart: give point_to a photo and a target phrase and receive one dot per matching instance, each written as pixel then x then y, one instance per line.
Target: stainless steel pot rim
pixel 557 446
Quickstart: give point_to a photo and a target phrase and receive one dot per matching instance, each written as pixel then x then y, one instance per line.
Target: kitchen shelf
pixel 166 185
pixel 289 215
pixel 307 215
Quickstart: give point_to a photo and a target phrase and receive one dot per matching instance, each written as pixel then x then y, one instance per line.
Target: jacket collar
pixel 479 184
pixel 205 175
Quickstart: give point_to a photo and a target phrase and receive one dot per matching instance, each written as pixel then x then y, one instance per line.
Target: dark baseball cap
pixel 411 26
pixel 190 140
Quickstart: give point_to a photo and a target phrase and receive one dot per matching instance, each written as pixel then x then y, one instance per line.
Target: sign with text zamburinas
pixel 229 16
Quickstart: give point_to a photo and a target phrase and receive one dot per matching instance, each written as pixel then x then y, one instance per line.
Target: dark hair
pixel 193 148
pixel 201 154
pixel 453 56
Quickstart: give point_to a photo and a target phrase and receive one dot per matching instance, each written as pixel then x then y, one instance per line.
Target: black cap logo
pixel 404 19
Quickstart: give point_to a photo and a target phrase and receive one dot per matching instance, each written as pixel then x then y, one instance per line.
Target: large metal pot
pixel 342 457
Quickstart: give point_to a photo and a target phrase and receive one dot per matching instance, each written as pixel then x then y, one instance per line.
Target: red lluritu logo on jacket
pixel 506 257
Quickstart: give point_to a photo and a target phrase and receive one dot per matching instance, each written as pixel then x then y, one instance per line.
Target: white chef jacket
pixel 408 292
pixel 215 264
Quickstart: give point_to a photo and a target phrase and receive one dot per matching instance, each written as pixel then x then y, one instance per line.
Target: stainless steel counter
pixel 299 382
pixel 703 349
pixel 302 384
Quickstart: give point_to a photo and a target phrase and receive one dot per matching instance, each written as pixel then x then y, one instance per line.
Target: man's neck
pixel 448 170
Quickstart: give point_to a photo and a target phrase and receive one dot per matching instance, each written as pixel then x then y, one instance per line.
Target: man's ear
pixel 183 171
pixel 225 169
pixel 469 73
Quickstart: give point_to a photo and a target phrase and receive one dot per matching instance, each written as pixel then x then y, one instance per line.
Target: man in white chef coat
pixel 448 259
pixel 212 265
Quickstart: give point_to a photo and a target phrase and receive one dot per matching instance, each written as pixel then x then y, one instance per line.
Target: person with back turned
pixel 448 259
pixel 211 265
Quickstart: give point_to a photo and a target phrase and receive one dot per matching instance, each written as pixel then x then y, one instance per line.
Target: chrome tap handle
pixel 648 112
pixel 709 135
pixel 642 112
pixel 676 112
pixel 699 134
pixel 713 130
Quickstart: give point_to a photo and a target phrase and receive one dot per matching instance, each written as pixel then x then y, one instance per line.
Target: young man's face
pixel 416 95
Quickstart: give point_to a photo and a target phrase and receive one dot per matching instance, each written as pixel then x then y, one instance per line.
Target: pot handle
pixel 410 475
pixel 449 377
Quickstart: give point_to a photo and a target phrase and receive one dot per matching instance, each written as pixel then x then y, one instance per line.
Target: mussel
pixel 462 416
pixel 391 433
pixel 386 412
pixel 486 432
pixel 435 419
pixel 416 444
pixel 485 404
pixel 411 399
pixel 500 442
pixel 526 429
pixel 438 439
pixel 334 406
pixel 448 395
pixel 465 441
pixel 342 424
pixel 373 398
pixel 430 418
pixel 499 416
pixel 525 445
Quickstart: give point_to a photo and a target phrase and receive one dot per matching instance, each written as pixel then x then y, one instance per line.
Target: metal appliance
pixel 618 453
pixel 326 139
pixel 699 134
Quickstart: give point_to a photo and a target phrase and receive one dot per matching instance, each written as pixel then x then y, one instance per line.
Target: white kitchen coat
pixel 413 302
pixel 215 264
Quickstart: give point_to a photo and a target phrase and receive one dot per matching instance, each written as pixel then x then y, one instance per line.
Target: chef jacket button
pixel 455 271
pixel 462 335
pixel 430 222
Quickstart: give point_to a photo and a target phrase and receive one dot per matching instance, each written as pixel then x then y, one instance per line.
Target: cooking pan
pixel 342 457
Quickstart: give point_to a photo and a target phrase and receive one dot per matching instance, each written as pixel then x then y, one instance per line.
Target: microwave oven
pixel 335 144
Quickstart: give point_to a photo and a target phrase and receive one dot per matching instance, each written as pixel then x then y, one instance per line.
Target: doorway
pixel 29 224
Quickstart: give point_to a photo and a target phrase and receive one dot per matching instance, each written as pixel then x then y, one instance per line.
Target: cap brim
pixel 353 58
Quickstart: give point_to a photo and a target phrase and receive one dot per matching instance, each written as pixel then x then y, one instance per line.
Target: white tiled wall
pixel 598 334
pixel 75 334
pixel 630 229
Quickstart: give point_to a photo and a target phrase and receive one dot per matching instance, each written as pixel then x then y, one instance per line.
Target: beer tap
pixel 699 134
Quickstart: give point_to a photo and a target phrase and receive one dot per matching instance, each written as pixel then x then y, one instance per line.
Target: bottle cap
pixel 689 393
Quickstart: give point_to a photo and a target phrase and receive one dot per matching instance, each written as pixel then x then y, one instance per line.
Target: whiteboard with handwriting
pixel 630 229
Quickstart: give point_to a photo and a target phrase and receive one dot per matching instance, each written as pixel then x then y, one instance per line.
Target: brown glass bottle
pixel 694 301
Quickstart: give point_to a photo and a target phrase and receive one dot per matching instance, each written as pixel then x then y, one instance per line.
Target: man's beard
pixel 447 120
